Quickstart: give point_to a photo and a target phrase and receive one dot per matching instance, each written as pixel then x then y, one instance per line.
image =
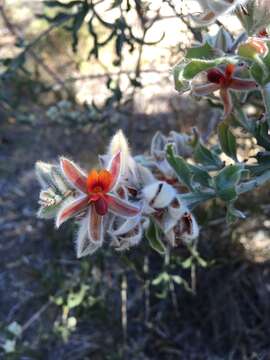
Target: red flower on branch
pixel 224 82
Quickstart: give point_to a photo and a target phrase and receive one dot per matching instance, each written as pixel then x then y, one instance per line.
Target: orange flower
pixel 95 197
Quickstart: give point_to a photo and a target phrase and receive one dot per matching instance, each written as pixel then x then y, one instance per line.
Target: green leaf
pixel 152 234
pixel 199 175
pixel 233 214
pixel 260 131
pixel 180 166
pixel 163 277
pixel 257 73
pixel 195 198
pixel 180 83
pixel 206 157
pixel 201 52
pixel 75 298
pixel 196 66
pixel 227 140
pixel 226 181
pixel 186 264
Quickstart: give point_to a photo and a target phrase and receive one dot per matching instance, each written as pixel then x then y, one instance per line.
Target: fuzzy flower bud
pixel 252 48
pixel 159 194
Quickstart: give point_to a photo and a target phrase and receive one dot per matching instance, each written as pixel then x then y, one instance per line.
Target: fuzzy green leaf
pixel 226 181
pixel 201 52
pixel 152 234
pixel 180 167
pixel 206 157
pixel 233 214
pixel 227 140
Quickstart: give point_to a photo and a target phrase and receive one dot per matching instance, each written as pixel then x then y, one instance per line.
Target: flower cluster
pixel 118 201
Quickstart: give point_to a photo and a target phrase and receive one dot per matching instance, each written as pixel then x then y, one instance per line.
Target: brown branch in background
pixel 28 49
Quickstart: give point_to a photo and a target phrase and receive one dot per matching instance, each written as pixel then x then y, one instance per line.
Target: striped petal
pixel 95 226
pixel 114 168
pixel 227 102
pixel 71 209
pixel 121 207
pixel 75 176
pixel 83 245
pixel 205 89
pixel 244 85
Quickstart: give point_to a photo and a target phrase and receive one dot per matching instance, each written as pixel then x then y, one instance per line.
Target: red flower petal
pixel 101 206
pixel 229 70
pixel 74 174
pixel 240 84
pixel 227 101
pixel 121 207
pixel 105 180
pixel 115 169
pixel 92 180
pixel 215 76
pixel 72 209
pixel 205 89
pixel 95 226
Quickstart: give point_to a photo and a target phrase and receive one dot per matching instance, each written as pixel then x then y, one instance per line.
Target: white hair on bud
pixel 120 143
pixel 159 194
pixel 43 171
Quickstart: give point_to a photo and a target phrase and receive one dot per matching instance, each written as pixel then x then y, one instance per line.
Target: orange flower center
pixel 98 185
pixel 98 182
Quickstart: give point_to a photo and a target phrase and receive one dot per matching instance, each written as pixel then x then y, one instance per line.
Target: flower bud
pixel 186 230
pixel 120 143
pixel 253 47
pixel 159 194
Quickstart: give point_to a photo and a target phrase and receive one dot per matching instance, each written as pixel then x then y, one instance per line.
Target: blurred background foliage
pixel 71 73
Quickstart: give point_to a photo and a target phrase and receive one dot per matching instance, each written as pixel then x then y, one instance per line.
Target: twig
pixel 124 308
pixel 15 32
pixel 36 316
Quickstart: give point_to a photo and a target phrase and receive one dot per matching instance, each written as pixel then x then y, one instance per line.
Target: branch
pixel 15 32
